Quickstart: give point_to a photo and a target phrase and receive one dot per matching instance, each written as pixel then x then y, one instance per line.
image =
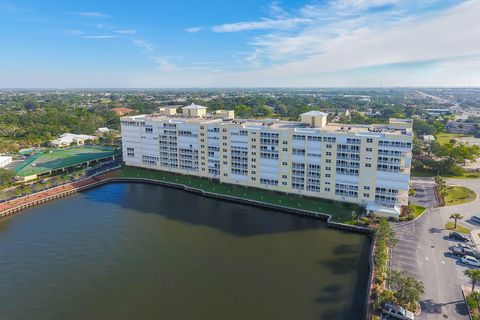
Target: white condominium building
pixel 363 164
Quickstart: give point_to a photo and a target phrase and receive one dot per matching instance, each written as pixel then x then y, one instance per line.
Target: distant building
pixel 428 138
pixel 5 160
pixel 461 127
pixel 194 110
pixel 168 110
pixel 437 112
pixel 66 140
pixel 122 111
pixel 227 114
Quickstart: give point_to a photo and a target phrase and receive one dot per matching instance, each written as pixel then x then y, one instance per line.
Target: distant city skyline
pixel 344 43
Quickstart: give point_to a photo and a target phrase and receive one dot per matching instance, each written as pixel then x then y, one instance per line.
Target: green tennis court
pixel 52 160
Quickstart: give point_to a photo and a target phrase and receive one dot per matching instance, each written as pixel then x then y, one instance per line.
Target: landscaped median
pixel 340 211
pixel 454 195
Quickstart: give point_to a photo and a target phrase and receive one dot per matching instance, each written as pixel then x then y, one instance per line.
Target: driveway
pixel 423 252
pixel 424 195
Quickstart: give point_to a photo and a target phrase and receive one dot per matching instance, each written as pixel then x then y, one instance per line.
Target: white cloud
pixel 92 14
pixel 100 37
pixel 364 4
pixel 263 24
pixel 164 64
pixel 146 45
pixel 104 26
pixel 277 11
pixel 447 35
pixel 126 31
pixel 193 29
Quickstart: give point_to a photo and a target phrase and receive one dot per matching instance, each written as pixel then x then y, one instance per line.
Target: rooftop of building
pixel 194 106
pixel 396 126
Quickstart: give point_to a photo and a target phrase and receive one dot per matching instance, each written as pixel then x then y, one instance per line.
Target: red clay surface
pixel 47 193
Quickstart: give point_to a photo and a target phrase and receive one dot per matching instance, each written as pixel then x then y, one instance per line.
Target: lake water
pixel 133 251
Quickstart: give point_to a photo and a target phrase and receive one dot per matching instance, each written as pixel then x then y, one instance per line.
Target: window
pixel 369 149
pixel 284 163
pixel 368 165
pixel 328 153
pixel 366 195
pixel 329 146
pixel 369 140
pixel 366 187
pixel 148 130
pixel 328 160
pixel 327 175
pixel 327 189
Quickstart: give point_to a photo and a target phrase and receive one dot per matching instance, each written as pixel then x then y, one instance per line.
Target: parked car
pixel 465 251
pixel 471 261
pixel 458 236
pixel 463 245
pixel 475 219
pixel 397 311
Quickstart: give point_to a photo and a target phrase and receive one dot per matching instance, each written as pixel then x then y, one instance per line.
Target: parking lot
pixel 423 252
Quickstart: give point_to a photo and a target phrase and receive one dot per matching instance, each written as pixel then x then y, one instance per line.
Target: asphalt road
pixel 423 252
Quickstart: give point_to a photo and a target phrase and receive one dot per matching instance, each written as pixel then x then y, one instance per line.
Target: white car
pixel 471 261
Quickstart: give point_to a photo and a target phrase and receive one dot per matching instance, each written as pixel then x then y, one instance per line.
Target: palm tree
pixel 474 275
pixel 473 300
pixel 456 216
pixel 18 192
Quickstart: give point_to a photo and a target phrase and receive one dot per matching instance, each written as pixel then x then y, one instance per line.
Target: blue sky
pixel 61 44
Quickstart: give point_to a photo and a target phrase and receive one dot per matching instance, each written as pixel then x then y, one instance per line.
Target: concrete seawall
pixel 322 216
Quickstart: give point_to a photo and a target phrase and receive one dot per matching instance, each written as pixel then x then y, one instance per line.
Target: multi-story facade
pixel 354 163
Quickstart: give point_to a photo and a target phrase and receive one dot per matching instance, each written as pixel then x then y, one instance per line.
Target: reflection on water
pixel 131 251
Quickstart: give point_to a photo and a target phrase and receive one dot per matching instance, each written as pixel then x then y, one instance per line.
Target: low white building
pixel 428 138
pixel 383 211
pixel 103 130
pixel 5 160
pixel 66 140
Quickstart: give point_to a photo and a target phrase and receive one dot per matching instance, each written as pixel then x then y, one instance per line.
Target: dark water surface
pixel 132 251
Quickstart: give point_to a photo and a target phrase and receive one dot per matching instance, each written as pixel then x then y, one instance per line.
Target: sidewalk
pixel 475 238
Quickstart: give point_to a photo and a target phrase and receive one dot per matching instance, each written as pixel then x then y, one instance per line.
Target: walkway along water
pixel 11 207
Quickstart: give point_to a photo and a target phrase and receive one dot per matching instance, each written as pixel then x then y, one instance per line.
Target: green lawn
pixel 449 226
pixel 443 138
pixel 458 195
pixel 464 175
pixel 340 211
pixel 416 210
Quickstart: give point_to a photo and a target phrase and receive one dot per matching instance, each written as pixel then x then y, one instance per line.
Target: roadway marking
pixel 426 258
pixel 443 262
